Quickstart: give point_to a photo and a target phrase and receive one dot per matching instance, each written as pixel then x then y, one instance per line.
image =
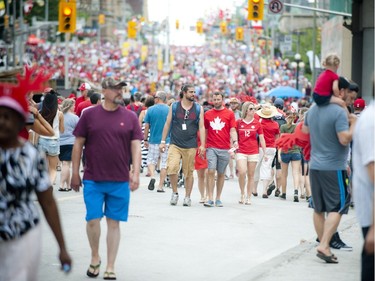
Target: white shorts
pixel 20 258
pixel 263 170
pixel 248 157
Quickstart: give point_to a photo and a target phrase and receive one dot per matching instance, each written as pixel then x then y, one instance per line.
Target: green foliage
pixel 39 12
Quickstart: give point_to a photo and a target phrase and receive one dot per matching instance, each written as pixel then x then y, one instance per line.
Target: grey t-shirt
pixel 324 123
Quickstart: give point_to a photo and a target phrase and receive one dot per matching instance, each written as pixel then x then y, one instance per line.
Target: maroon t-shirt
pixel 108 137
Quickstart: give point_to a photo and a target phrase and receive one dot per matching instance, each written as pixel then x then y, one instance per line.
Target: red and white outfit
pixel 247 139
pixel 263 171
pixel 218 124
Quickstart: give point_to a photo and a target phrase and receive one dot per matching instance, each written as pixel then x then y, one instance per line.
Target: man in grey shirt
pixel 330 134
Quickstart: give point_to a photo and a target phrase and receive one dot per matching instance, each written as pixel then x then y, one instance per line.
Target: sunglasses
pixel 187 112
pixel 251 108
pixel 156 97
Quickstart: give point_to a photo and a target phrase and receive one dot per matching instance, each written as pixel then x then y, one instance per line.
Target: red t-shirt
pixel 247 136
pixel 218 124
pixel 323 86
pixel 78 101
pixel 82 106
pixel 270 130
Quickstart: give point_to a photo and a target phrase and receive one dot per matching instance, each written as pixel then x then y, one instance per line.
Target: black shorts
pixel 329 191
pixel 66 152
pixel 275 162
pixel 321 100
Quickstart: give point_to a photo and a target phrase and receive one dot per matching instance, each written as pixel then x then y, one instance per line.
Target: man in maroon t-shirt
pixel 109 143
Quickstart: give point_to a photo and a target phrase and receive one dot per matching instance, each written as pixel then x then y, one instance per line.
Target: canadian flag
pixel 28 6
pixel 257 24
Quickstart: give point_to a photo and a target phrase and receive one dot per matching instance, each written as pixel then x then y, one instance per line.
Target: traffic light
pixel 177 24
pixel 101 19
pixel 67 17
pixel 239 34
pixel 255 9
pixel 223 27
pixel 132 29
pixel 6 21
pixel 200 27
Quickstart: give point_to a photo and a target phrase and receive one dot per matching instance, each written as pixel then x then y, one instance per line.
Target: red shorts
pixel 199 162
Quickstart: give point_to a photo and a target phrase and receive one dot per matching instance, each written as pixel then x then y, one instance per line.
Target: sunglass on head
pixel 251 108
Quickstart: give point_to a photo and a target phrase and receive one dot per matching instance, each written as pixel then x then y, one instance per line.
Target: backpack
pixel 197 109
pixel 138 111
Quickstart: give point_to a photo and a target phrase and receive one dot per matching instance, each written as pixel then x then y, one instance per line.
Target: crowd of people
pixel 211 115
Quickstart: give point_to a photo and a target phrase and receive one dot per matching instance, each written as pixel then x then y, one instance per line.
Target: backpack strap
pixel 197 110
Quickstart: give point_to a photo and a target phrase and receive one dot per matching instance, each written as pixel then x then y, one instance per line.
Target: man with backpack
pixel 184 119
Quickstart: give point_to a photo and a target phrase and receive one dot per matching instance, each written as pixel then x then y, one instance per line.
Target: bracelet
pixel 145 140
pixel 163 142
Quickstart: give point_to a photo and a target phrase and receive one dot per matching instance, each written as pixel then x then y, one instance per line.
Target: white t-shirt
pixel 363 154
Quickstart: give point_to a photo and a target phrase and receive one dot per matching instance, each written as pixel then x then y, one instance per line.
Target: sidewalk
pixel 301 263
pixel 175 243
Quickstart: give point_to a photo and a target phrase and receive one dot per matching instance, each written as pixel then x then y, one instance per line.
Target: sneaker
pixel 283 196
pixel 174 199
pixel 187 202
pixel 295 196
pixel 277 193
pixel 338 244
pixel 218 203
pixel 270 189
pixel 151 185
pixel 265 196
pixel 209 203
pixel 203 199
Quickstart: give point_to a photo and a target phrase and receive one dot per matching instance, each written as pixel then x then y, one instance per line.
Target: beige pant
pixel 20 258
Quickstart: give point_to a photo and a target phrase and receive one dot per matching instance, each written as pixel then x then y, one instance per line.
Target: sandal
pixel 64 189
pixel 109 276
pixel 94 268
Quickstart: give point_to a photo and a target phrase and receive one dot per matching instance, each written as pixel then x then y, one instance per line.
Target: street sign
pixel 275 6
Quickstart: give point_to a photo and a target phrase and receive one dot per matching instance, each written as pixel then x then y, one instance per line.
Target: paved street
pixel 270 240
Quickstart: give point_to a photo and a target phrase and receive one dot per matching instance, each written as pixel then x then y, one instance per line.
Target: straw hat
pixel 267 111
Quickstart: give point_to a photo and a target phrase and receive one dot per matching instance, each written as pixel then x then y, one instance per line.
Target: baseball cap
pixel 279 103
pixel 354 87
pixel 359 103
pixel 84 86
pixel 343 83
pixel 110 83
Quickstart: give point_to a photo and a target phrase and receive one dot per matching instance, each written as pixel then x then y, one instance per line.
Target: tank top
pixel 55 127
pixel 184 127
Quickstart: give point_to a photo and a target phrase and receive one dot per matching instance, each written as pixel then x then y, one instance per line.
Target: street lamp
pixel 297 64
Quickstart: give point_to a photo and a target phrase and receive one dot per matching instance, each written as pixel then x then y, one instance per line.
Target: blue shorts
pixel 113 196
pixel 50 146
pixel 287 157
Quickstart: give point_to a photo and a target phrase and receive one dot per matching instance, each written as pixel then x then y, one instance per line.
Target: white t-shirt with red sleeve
pixel 218 124
pixel 247 136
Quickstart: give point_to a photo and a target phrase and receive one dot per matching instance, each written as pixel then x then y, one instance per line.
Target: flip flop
pixel 328 259
pixel 109 276
pixel 94 268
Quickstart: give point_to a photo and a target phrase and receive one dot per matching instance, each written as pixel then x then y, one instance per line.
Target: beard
pixel 218 106
pixel 191 98
pixel 119 101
